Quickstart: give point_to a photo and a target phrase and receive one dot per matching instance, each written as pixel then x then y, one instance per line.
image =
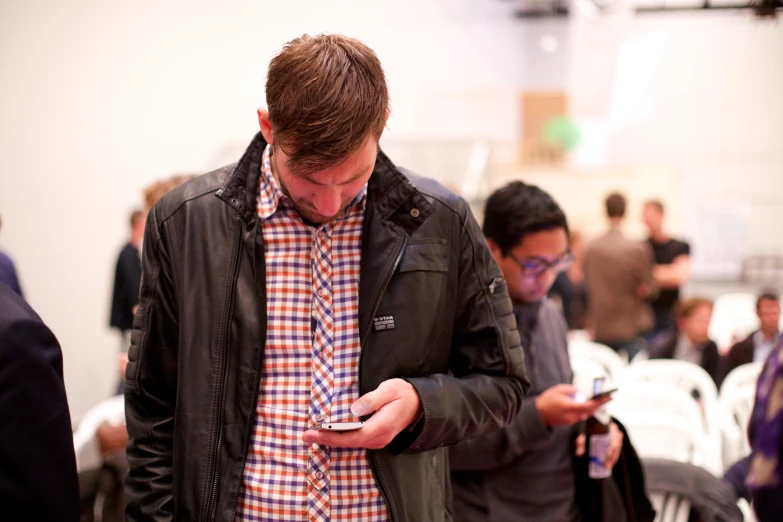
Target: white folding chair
pixel 735 410
pixel 733 317
pixel 603 355
pixel 740 377
pixel 85 442
pixel 633 398
pixel 688 377
pixel 682 374
pixel 670 507
pixel 666 436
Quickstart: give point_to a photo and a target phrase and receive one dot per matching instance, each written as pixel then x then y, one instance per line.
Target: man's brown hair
pixel 685 308
pixel 615 205
pixel 326 95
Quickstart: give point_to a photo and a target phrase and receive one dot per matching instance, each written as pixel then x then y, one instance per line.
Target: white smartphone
pixel 339 426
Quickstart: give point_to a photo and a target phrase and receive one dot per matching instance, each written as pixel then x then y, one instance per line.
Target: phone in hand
pixel 601 395
pixel 339 426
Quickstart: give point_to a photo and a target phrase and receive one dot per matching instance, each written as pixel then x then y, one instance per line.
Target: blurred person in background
pixel 127 279
pixel 102 489
pixel 37 462
pixel 688 340
pixel 524 471
pixel 8 274
pixel 672 265
pixel 619 281
pixel 758 345
pixel 314 283
pixel 569 287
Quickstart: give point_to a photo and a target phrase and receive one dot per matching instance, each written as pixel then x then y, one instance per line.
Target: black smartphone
pixel 606 393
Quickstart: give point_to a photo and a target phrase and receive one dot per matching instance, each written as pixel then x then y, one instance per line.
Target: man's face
pixel 769 315
pixel 322 196
pixel 539 248
pixel 696 325
pixel 652 217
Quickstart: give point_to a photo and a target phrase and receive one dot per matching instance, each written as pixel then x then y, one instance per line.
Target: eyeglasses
pixel 535 266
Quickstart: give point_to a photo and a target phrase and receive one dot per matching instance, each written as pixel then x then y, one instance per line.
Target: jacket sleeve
pixel 487 382
pixel 498 448
pixel 150 386
pixel 38 472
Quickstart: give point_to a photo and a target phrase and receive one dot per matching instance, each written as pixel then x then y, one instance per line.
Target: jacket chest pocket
pixel 420 256
pixel 416 301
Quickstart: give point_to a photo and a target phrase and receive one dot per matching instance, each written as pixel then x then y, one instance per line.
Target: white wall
pixel 98 98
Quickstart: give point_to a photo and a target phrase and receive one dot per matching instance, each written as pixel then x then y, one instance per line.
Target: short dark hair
pixel 615 205
pixel 135 216
pixel 684 308
pixel 326 95
pixel 657 204
pixel 767 295
pixel 517 210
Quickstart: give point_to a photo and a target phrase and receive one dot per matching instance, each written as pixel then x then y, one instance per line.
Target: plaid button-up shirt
pixel 311 369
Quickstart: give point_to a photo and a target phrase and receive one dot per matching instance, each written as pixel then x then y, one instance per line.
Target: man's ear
pixel 497 252
pixel 265 125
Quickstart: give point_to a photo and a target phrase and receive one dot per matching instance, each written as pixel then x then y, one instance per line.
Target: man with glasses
pixel 524 471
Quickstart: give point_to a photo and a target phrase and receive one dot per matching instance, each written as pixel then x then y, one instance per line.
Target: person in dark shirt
pixel 8 272
pixel 127 277
pixel 524 471
pixel 672 266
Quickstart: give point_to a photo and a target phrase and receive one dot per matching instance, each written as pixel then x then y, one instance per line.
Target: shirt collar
pixel 271 197
pixel 758 338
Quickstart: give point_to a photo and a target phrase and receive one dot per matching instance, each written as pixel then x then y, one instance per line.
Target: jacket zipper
pixel 212 499
pixel 374 462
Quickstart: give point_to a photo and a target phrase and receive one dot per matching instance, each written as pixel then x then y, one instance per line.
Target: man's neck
pixel 769 335
pixel 616 224
pixel 135 242
pixel 659 237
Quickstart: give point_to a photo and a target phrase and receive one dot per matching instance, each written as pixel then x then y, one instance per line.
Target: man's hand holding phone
pixel 395 404
pixel 559 405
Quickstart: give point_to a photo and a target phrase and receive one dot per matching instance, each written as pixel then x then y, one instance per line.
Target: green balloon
pixel 561 132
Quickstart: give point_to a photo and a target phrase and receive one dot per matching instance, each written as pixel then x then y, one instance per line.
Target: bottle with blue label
pixel 597 438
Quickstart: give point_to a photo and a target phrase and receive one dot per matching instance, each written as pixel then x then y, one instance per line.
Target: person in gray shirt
pixel 524 471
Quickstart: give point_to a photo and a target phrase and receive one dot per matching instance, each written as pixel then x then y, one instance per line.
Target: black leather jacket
pixel 198 340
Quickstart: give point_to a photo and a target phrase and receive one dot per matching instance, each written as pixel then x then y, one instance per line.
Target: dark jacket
pixel 127 280
pixel 664 346
pixel 37 463
pixel 523 471
pixel 739 354
pixel 198 340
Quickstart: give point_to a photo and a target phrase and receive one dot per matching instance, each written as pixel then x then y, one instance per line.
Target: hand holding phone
pixel 603 394
pixel 339 426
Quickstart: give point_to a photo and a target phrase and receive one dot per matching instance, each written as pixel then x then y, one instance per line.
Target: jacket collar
pixel 390 193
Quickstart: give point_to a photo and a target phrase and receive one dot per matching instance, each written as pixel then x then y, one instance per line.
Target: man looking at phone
pixel 524 471
pixel 310 285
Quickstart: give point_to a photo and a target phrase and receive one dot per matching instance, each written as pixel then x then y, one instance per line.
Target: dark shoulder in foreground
pixel 13 309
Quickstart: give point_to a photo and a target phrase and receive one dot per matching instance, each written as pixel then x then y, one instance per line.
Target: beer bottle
pixel 597 438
